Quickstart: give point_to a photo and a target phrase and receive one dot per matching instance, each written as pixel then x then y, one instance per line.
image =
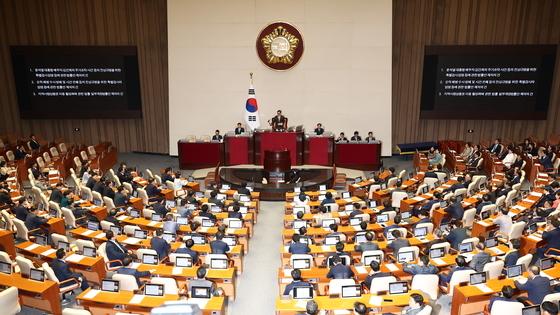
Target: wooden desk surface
pixel 164 270
pixel 16 280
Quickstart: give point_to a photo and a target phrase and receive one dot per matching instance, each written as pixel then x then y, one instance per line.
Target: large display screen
pixel 77 81
pixel 487 82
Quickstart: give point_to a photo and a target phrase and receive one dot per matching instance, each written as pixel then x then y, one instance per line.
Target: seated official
pixel 167 175
pixel 218 246
pixel 537 286
pixel 430 173
pixel 486 201
pixel 341 138
pixel 112 217
pixel 457 235
pixel 461 264
pixel 239 129
pixel 395 225
pixel 415 305
pixel 243 190
pixel 338 270
pixel 56 194
pixel 368 245
pixel 127 270
pixel 422 268
pixel 455 210
pixel 504 222
pixel 217 136
pixel 513 255
pixel 374 273
pixel 296 247
pixel 328 199
pixel 121 197
pixel 108 189
pixel 201 281
pixel 205 212
pixel 189 243
pixel 62 271
pixel 437 158
pixel 399 242
pixel 549 308
pixel 34 221
pixel 480 259
pixel 319 130
pixel 430 203
pixel 21 208
pixel 169 224
pixel 160 208
pixel 370 138
pixel 34 143
pixel 114 250
pixel 301 200
pixel 214 199
pixel 151 189
pixel 356 211
pixel 506 295
pixel 182 209
pixel 334 228
pixel 124 174
pixel 552 238
pixel 160 245
pixel 339 247
pixel 297 282
pixel 235 214
pixel 356 136
pixel 319 215
pixel 311 308
pixel 278 122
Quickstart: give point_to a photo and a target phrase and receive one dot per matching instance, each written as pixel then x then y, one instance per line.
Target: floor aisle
pixel 258 285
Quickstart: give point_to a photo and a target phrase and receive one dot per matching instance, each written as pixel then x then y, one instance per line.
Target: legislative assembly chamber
pixel 295 157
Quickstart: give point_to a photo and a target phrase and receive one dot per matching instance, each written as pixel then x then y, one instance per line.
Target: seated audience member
pixel 33 221
pixel 356 211
pixel 201 281
pixel 189 243
pixel 218 246
pixel 328 199
pixel 395 225
pixel 461 264
pixel 399 242
pixel 297 282
pixel 297 247
pixel 506 296
pixel 480 259
pixel 510 157
pixel 467 151
pixel 321 214
pixel 504 222
pixel 370 138
pixel 549 308
pixel 356 136
pixel 169 224
pixel 56 194
pixel 368 245
pixel 167 175
pixel 513 254
pixel 301 200
pixel 415 305
pixel 485 202
pixel 33 143
pixel 552 238
pixel 537 286
pixel 124 174
pixel 311 308
pixel 121 197
pixel 151 189
pixel 455 210
pixel 205 212
pixel 339 247
pixel 217 136
pixel 422 268
pixel 319 130
pixel 112 217
pixel 374 273
pixel 430 173
pixel 62 271
pixel 457 234
pixel 235 214
pixel 341 138
pixel 115 251
pixel 334 228
pixel 243 190
pixel 20 154
pixel 338 270
pixel 108 189
pixel 160 245
pixel 21 208
pixel 160 208
pixel 496 147
pixel 214 199
pixel 239 129
pixel 128 270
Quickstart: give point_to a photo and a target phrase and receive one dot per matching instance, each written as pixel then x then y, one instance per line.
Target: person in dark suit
pixel 296 247
pixel 370 138
pixel 340 252
pixel 328 199
pixel 124 174
pixel 34 143
pixel 63 272
pixel 341 138
pixel 428 205
pixel 92 181
pixel 458 185
pixel 108 189
pixel 374 273
pixel 356 136
pixel 422 268
pixel 368 245
pixel 189 243
pixel 480 259
pixel 297 282
pixel 506 296
pixel 455 210
pixel 319 130
pixel 545 160
pixel 111 217
pixel 56 194
pixel 235 214
pixel 167 175
pixel 205 212
pixel 217 136
pixel 151 189
pixel 159 208
pixel 278 122
pixel 549 308
pixel 496 147
pixel 485 202
pixel 356 211
pixel 34 221
pixel 395 225
pixel 239 129
pixel 338 270
pixel 457 234
pixel 461 264
pixel 552 238
pixel 19 153
pixel 21 209
pixel 243 190
pixel 398 243
pixel 121 197
pixel 214 199
pixel 126 270
pixel 99 187
pixel 218 246
pixel 430 173
pixel 513 255
pixel 160 245
pixel 537 287
pixel 114 250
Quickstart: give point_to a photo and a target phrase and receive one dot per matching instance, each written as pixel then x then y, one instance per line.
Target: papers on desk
pixel 535 194
pixel 512 214
pixel 203 229
pixel 349 200
pixel 484 288
pixel 122 217
pixel 75 258
pixel 132 240
pixel 48 252
pixel 134 265
pixel 518 207
pixel 286 248
pixel 301 304
pixel 392 267
pixel 528 200
pixel 418 198
pixel 355 185
pixel 534 237
pixel 484 223
pixel 200 302
pixel 31 247
pixel 152 223
pixel 100 235
pixel 496 250
pixel 91 294
pixel 285 280
pixel 177 270
pixel 230 231
pixel 87 232
pixel 136 299
pixel 429 195
pixel 342 312
pixel 326 248
pixel 439 261
pixel 361 269
pixel 288 272
pixel 376 300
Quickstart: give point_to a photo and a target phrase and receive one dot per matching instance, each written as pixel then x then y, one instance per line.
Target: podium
pixel 276 165
pixel 278 141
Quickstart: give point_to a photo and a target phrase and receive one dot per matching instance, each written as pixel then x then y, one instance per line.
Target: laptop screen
pixel 243 209
pixel 140 234
pixel 531 310
pixel 198 239
pixel 477 278
pixel 63 245
pixel 235 224
pixel 150 259
pixel 437 252
pixel 346 195
pixel 297 190
pixel 168 237
pixel 41 240
pixel 358 179
pixel 170 204
pixel 226 187
pixel 200 292
pixel 369 258
pixel 327 222
pixel 207 223
pixel 332 240
pixel 5 267
pixel 546 263
pixel 217 263
pixel 355 221
pixel 322 187
pixel 89 251
pixel 151 289
pixel 301 263
pixel 514 271
pixel 115 229
pixel 491 242
pixel 156 217
pixel 349 207
pixel 182 221
pixel 382 218
pixel 466 247
pixel 299 224
pixel 230 240
pixel 351 291
pixel 302 293
pixel 37 275
pixel 485 215
pixel 372 203
pixel 361 238
pixel 134 213
pixel 110 285
pixel 244 198
pixel 92 225
pixel 406 215
pixel 405 257
pixel 421 231
pixel 181 261
pixel 399 287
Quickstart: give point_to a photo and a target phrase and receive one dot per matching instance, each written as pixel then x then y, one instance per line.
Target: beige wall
pixel 343 79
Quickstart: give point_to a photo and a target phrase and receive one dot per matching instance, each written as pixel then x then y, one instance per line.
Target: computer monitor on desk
pixel 110 285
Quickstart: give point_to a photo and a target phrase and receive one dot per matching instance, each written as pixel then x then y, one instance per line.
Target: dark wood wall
pixel 141 23
pixel 417 23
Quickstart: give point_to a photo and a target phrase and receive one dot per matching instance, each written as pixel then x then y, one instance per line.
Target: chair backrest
pixel 24 264
pixel 8 220
pixel 21 229
pixel 75 311
pixel 430 181
pixel 40 162
pixel 170 185
pixel 471 188
pixel 81 243
pixel 157 179
pixel 149 173
pixel 54 151
pixel 147 213
pixel 491 208
pixel 426 310
pixel 381 284
pixel 458 277
pixel 332 207
pixel 102 251
pixel 47 157
pixel 10 155
pixel 500 201
pixel 56 207
pixel 460 192
pixel 58 238
pixel 396 197
pixel 516 230
pixel 506 307
pixel 468 217
pixel 87 194
pixel 173 257
pixel 143 195
pixel 428 225
pixel 77 162
pixel 525 261
pixel 444 245
pixel 401 174
pixel 4 257
pixel 62 147
pixel 91 151
pixel 552 297
pixel 335 285
pixel 69 218
pixel 126 282
pixel 428 284
pixel 84 156
pixel 169 284
pixel 143 251
pixel 109 203
pixel 392 182
pixel 474 240
pixel 9 299
pixel 494 269
pixel 49 273
pixel 97 196
pixel 106 225
pixel 391 214
pixel 128 187
pixel 129 229
pixel 421 188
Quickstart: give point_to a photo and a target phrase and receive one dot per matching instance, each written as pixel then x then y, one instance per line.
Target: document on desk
pixel 131 241
pixel 535 238
pixel 91 294
pixel 376 300
pixel 418 198
pixel 301 304
pixel 361 270
pixel 392 267
pixel 439 261
pixel 326 248
pixel 496 250
pixel 136 299
pixel 200 302
pixel 122 217
pixel 87 232
pixel 31 247
pixel 203 229
pixel 153 223
pixel 535 194
pixel 100 235
pixel 484 288
pixel 177 270
pixel 75 258
pixel 288 273
pixel 349 200
pixel 230 231
pixel 48 252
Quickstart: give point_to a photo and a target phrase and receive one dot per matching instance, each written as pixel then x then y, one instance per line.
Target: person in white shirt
pixel 504 222
pixel 467 151
pixel 301 200
pixel 510 158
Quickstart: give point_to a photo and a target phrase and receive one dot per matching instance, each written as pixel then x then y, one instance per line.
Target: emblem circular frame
pixel 262 51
